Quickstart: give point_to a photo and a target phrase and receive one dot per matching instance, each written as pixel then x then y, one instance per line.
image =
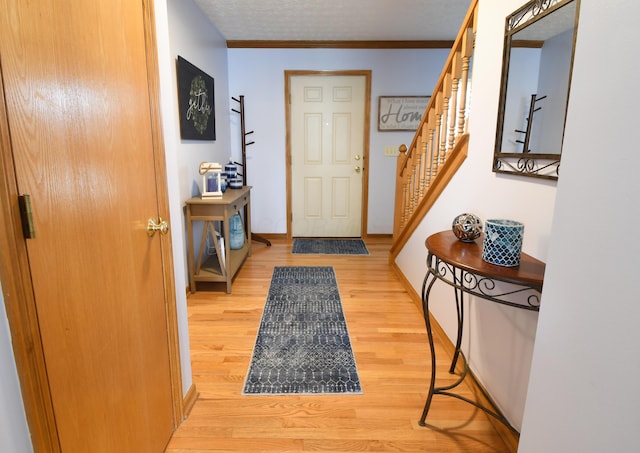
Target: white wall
pixel 523 82
pixel 499 340
pixel 183 30
pixel 258 74
pixel 194 38
pixel 555 69
pixel 14 432
pixel 584 393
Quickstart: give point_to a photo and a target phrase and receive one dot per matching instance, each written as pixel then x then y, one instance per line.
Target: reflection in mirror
pixel 536 78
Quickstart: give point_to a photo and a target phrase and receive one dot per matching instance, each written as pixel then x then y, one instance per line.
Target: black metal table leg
pixel 425 306
pixel 460 315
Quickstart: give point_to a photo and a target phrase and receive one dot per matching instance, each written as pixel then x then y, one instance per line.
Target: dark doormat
pixel 330 247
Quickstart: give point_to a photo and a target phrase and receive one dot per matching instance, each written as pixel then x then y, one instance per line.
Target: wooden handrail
pixel 424 169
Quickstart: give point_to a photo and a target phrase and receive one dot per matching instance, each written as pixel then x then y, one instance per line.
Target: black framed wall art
pixel 195 102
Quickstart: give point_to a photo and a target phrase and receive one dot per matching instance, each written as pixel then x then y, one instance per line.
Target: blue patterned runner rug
pixel 303 345
pixel 330 246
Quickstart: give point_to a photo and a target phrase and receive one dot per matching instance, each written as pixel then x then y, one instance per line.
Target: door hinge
pixel 24 201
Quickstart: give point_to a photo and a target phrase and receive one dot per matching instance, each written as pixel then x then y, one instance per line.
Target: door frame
pixel 288 74
pixel 15 273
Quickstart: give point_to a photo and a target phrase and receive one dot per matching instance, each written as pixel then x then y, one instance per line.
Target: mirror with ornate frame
pixel 536 79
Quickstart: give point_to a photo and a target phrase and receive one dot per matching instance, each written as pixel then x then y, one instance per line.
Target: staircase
pixel 440 145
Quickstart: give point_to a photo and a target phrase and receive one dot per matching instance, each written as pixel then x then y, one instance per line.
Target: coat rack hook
pixel 254 236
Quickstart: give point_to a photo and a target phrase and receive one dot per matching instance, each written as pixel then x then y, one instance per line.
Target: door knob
pixel 357 157
pixel 357 169
pixel 162 226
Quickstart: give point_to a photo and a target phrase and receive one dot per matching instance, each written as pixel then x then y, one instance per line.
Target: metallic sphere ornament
pixel 467 227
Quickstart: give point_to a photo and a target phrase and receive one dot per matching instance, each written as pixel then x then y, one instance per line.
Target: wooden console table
pixel 460 265
pixel 210 210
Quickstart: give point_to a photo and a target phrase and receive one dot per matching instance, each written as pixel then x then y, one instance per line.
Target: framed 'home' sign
pixel 195 102
pixel 401 113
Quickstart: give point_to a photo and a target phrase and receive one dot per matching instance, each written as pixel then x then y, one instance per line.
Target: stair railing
pixel 440 145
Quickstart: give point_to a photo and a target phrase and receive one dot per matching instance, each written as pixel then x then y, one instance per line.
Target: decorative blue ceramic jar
pixel 231 170
pixel 236 232
pixel 502 243
pixel 235 183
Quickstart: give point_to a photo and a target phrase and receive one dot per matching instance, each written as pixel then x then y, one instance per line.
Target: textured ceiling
pixel 336 20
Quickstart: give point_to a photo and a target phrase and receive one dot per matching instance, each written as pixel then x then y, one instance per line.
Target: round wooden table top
pixel 468 256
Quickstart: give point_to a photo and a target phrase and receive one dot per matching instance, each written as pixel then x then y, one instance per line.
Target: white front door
pixel 328 124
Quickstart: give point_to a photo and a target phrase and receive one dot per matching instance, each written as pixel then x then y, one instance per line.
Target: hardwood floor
pixel 390 345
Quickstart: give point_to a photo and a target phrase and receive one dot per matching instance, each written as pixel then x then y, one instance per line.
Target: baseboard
pixel 272 236
pixel 189 401
pixel 417 299
pixel 283 236
pixel 510 438
pixel 378 235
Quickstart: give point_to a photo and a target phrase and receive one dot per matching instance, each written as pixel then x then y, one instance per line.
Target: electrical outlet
pixel 391 151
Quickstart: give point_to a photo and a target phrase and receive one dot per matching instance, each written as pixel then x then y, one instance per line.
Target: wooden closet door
pixel 77 97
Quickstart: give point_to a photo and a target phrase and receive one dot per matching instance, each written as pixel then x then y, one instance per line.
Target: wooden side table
pixel 460 265
pixel 224 265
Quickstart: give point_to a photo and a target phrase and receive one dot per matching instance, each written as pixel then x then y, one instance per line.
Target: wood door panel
pixel 340 199
pixel 77 97
pixel 313 138
pixel 342 154
pixel 312 193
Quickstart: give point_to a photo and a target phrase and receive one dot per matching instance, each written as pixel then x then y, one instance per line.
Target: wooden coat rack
pixel 243 164
pixel 527 133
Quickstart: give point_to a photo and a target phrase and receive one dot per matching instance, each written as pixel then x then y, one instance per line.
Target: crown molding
pixel 269 44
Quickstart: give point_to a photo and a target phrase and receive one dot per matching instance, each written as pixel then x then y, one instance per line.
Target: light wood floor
pixel 390 346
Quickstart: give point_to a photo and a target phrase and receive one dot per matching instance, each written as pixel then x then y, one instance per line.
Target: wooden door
pixel 328 124
pixel 77 104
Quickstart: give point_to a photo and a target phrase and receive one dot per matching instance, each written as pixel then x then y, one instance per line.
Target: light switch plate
pixel 391 151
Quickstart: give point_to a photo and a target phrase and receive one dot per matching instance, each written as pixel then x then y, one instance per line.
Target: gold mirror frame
pixel 536 79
